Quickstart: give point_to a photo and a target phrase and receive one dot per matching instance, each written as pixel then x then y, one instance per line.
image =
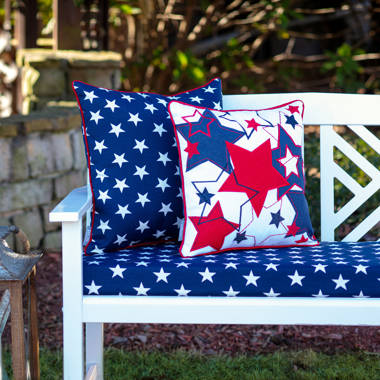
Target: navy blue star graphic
pixel 211 148
pixel 240 236
pixel 291 120
pixel 205 196
pixel 276 218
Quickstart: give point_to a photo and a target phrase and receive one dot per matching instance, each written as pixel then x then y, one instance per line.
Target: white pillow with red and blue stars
pixel 133 164
pixel 242 177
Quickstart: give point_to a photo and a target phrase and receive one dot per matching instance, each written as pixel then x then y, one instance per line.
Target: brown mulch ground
pixel 209 339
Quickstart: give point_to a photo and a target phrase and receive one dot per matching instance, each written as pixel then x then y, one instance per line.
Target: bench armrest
pixel 73 207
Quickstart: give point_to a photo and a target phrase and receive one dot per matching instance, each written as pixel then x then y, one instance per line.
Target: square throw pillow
pixel 133 164
pixel 242 177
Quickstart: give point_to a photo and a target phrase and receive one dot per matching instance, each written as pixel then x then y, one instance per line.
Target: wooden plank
pixel 66 33
pixel 25 24
pixel 17 332
pixel 34 347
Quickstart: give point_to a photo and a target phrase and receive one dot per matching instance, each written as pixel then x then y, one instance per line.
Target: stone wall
pixel 47 75
pixel 41 160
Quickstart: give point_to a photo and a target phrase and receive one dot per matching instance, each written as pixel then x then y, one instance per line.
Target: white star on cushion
pixel 361 295
pixel 162 101
pixel 271 293
pixel 90 96
pixel 320 267
pixel 127 97
pixel 230 265
pixel 182 264
pixel 289 162
pixel 123 210
pixel 140 145
pixel 340 282
pixel 271 266
pixel 159 128
pixel 150 107
pixel 104 226
pixel 100 146
pixel 120 184
pixel 320 294
pixel 360 268
pixel 119 159
pixel 296 278
pixel 116 129
pixel 117 271
pixel 162 184
pixel 141 171
pixel 182 292
pixel 161 275
pixel 141 291
pixel 96 116
pixel 103 196
pixel 165 208
pixel 207 275
pixel 163 158
pixel 143 226
pixel 251 279
pixel 97 250
pixel 112 105
pixel 101 174
pixel 93 288
pixel 142 198
pixel 120 239
pixel 231 292
pixel 134 118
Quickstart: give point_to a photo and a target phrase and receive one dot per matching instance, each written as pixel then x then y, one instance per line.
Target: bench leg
pixel 94 348
pixel 73 368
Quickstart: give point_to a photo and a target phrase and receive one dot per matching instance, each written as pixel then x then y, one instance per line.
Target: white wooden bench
pixel 321 109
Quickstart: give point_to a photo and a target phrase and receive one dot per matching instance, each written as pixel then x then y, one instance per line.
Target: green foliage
pixel 180 365
pixel 187 65
pixel 347 71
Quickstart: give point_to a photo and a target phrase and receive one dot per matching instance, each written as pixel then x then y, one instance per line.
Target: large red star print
pixel 200 126
pixel 253 172
pixel 211 229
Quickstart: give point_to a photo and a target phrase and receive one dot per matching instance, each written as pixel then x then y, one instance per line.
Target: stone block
pixel 53 241
pixel 20 195
pixel 98 77
pixel 65 183
pixel 5 159
pixel 19 164
pixel 8 129
pixel 74 120
pixel 62 152
pixel 46 209
pixel 51 81
pixel 31 223
pixel 40 154
pixel 79 155
pixel 37 123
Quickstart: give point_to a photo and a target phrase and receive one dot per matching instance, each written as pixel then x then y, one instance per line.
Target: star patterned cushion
pixel 328 270
pixel 242 177
pixel 133 163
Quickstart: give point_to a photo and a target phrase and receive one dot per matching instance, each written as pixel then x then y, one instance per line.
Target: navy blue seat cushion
pixel 133 164
pixel 330 269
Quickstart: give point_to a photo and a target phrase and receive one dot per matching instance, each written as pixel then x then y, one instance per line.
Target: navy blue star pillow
pixel 133 164
pixel 243 178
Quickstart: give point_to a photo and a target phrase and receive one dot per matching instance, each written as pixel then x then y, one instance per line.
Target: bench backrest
pixel 328 110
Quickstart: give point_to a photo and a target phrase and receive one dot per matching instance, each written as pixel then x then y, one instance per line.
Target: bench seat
pixel 344 269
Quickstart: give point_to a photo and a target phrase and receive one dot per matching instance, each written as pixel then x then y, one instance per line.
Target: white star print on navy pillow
pixel 133 163
pixel 243 178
